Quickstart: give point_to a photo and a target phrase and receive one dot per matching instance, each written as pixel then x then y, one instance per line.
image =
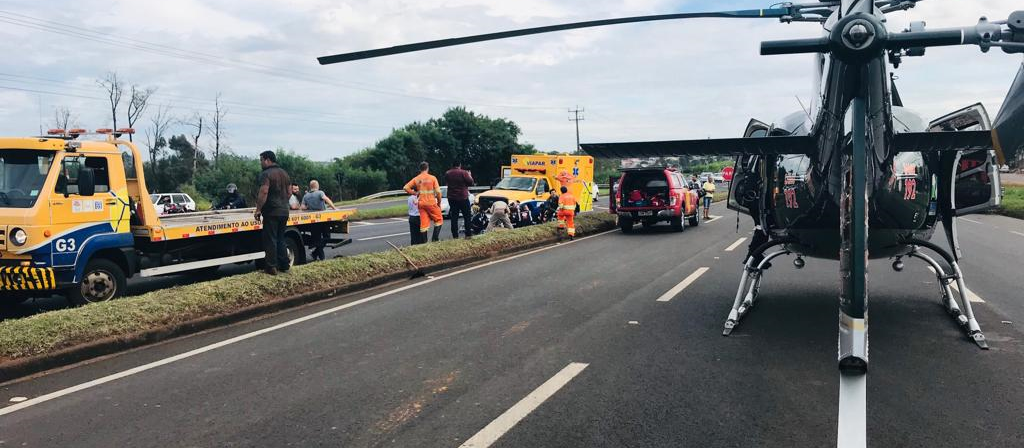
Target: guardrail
pixel 385 194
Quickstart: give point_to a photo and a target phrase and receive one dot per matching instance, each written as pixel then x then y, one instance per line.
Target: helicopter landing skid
pixel 965 317
pixel 750 285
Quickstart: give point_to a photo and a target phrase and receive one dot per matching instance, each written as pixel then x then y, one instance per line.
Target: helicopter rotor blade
pixel 420 46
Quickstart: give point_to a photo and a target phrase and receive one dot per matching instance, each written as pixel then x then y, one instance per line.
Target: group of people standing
pixel 425 202
pixel 276 197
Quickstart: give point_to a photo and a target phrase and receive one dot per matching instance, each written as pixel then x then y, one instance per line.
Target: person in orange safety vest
pixel 428 192
pixel 567 212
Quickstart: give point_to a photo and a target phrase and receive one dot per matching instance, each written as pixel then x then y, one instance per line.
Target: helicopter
pixel 818 180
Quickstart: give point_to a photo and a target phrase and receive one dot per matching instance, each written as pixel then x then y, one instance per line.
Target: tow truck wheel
pixel 677 224
pixel 295 253
pixel 102 280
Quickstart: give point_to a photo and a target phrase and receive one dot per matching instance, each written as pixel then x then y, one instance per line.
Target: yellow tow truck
pixel 75 218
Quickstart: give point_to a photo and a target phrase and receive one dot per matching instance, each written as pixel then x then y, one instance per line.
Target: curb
pixel 20 368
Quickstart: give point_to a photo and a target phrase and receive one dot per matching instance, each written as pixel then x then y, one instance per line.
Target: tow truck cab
pixel 654 194
pixel 530 179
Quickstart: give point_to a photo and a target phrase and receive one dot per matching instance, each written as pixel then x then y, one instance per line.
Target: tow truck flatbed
pixel 209 223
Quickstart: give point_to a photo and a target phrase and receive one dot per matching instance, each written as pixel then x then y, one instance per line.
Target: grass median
pixel 398 211
pixel 1013 202
pixel 171 308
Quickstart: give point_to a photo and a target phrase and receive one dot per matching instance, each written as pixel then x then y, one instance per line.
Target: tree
pixel 63 118
pixel 137 105
pixel 196 123
pixel 114 86
pixel 159 123
pixel 217 127
pixel 480 143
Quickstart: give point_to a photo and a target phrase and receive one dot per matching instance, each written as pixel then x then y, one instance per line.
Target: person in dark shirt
pixel 458 181
pixel 231 200
pixel 272 208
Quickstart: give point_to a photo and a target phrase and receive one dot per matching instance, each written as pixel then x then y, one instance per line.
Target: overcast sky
pixel 656 81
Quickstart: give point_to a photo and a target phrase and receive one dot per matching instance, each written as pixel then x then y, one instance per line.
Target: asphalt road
pixel 568 347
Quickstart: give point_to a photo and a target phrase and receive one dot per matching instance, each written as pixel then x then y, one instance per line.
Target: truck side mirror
pixel 86 181
pixel 62 184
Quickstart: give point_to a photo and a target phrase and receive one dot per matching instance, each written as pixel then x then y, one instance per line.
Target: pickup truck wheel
pixel 695 220
pixel 626 225
pixel 102 280
pixel 677 224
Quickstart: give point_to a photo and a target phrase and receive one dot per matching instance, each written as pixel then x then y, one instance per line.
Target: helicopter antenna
pixel 806 110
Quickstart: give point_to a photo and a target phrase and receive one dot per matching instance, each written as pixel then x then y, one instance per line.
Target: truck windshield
pixel 22 174
pixel 516 183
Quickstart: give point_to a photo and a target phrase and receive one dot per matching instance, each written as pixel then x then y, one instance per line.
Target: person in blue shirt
pixel 414 219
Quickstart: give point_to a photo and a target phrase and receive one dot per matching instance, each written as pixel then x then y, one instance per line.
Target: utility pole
pixel 577 116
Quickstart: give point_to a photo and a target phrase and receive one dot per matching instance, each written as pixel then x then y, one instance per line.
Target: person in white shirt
pixel 414 219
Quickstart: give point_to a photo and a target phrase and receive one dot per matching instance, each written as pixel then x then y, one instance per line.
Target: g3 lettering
pixel 65 245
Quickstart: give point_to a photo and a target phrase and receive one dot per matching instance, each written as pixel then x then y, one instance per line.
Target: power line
pixel 80 32
pixel 577 116
pixel 265 116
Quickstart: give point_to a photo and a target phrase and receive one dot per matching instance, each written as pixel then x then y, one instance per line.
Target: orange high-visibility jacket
pixel 427 188
pixel 567 202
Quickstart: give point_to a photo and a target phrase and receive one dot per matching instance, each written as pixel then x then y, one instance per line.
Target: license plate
pixel 645 213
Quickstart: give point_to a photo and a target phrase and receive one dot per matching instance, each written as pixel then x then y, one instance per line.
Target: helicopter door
pixel 975 174
pixel 743 189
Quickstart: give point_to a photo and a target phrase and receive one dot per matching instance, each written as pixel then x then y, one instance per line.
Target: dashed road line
pixel 670 294
pixel 713 219
pixel 400 219
pixel 733 246
pixel 152 365
pixel 971 220
pixel 501 425
pixel 970 294
pixel 853 406
pixel 1017 233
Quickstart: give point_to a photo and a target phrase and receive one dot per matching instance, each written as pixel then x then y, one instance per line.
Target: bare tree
pixel 137 104
pixel 217 126
pixel 159 123
pixel 114 86
pixel 63 118
pixel 196 123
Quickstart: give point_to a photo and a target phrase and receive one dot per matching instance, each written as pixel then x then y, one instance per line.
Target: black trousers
pixel 319 233
pixel 455 208
pixel 414 230
pixel 273 241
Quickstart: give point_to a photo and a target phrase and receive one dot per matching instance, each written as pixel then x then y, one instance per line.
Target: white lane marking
pixel 733 246
pixel 497 428
pixel 400 219
pixel 18 399
pixel 853 407
pixel 214 346
pixel 382 236
pixel 361 223
pixel 1017 233
pixel 670 294
pixel 970 294
pixel 713 219
pixel 971 220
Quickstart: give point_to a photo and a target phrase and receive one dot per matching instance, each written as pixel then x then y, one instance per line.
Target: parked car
pixel 445 208
pixel 652 195
pixel 183 202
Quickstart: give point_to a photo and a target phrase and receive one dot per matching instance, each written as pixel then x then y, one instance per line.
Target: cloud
pixel 686 79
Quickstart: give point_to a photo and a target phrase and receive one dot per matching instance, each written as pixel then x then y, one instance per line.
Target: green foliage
pixel 481 143
pixel 1013 202
pixel 397 211
pixel 713 167
pixel 202 202
pixel 46 333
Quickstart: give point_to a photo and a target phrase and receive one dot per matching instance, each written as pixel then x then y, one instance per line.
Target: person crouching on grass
pixel 428 190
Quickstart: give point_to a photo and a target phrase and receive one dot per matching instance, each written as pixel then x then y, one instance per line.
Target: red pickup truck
pixel 652 195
